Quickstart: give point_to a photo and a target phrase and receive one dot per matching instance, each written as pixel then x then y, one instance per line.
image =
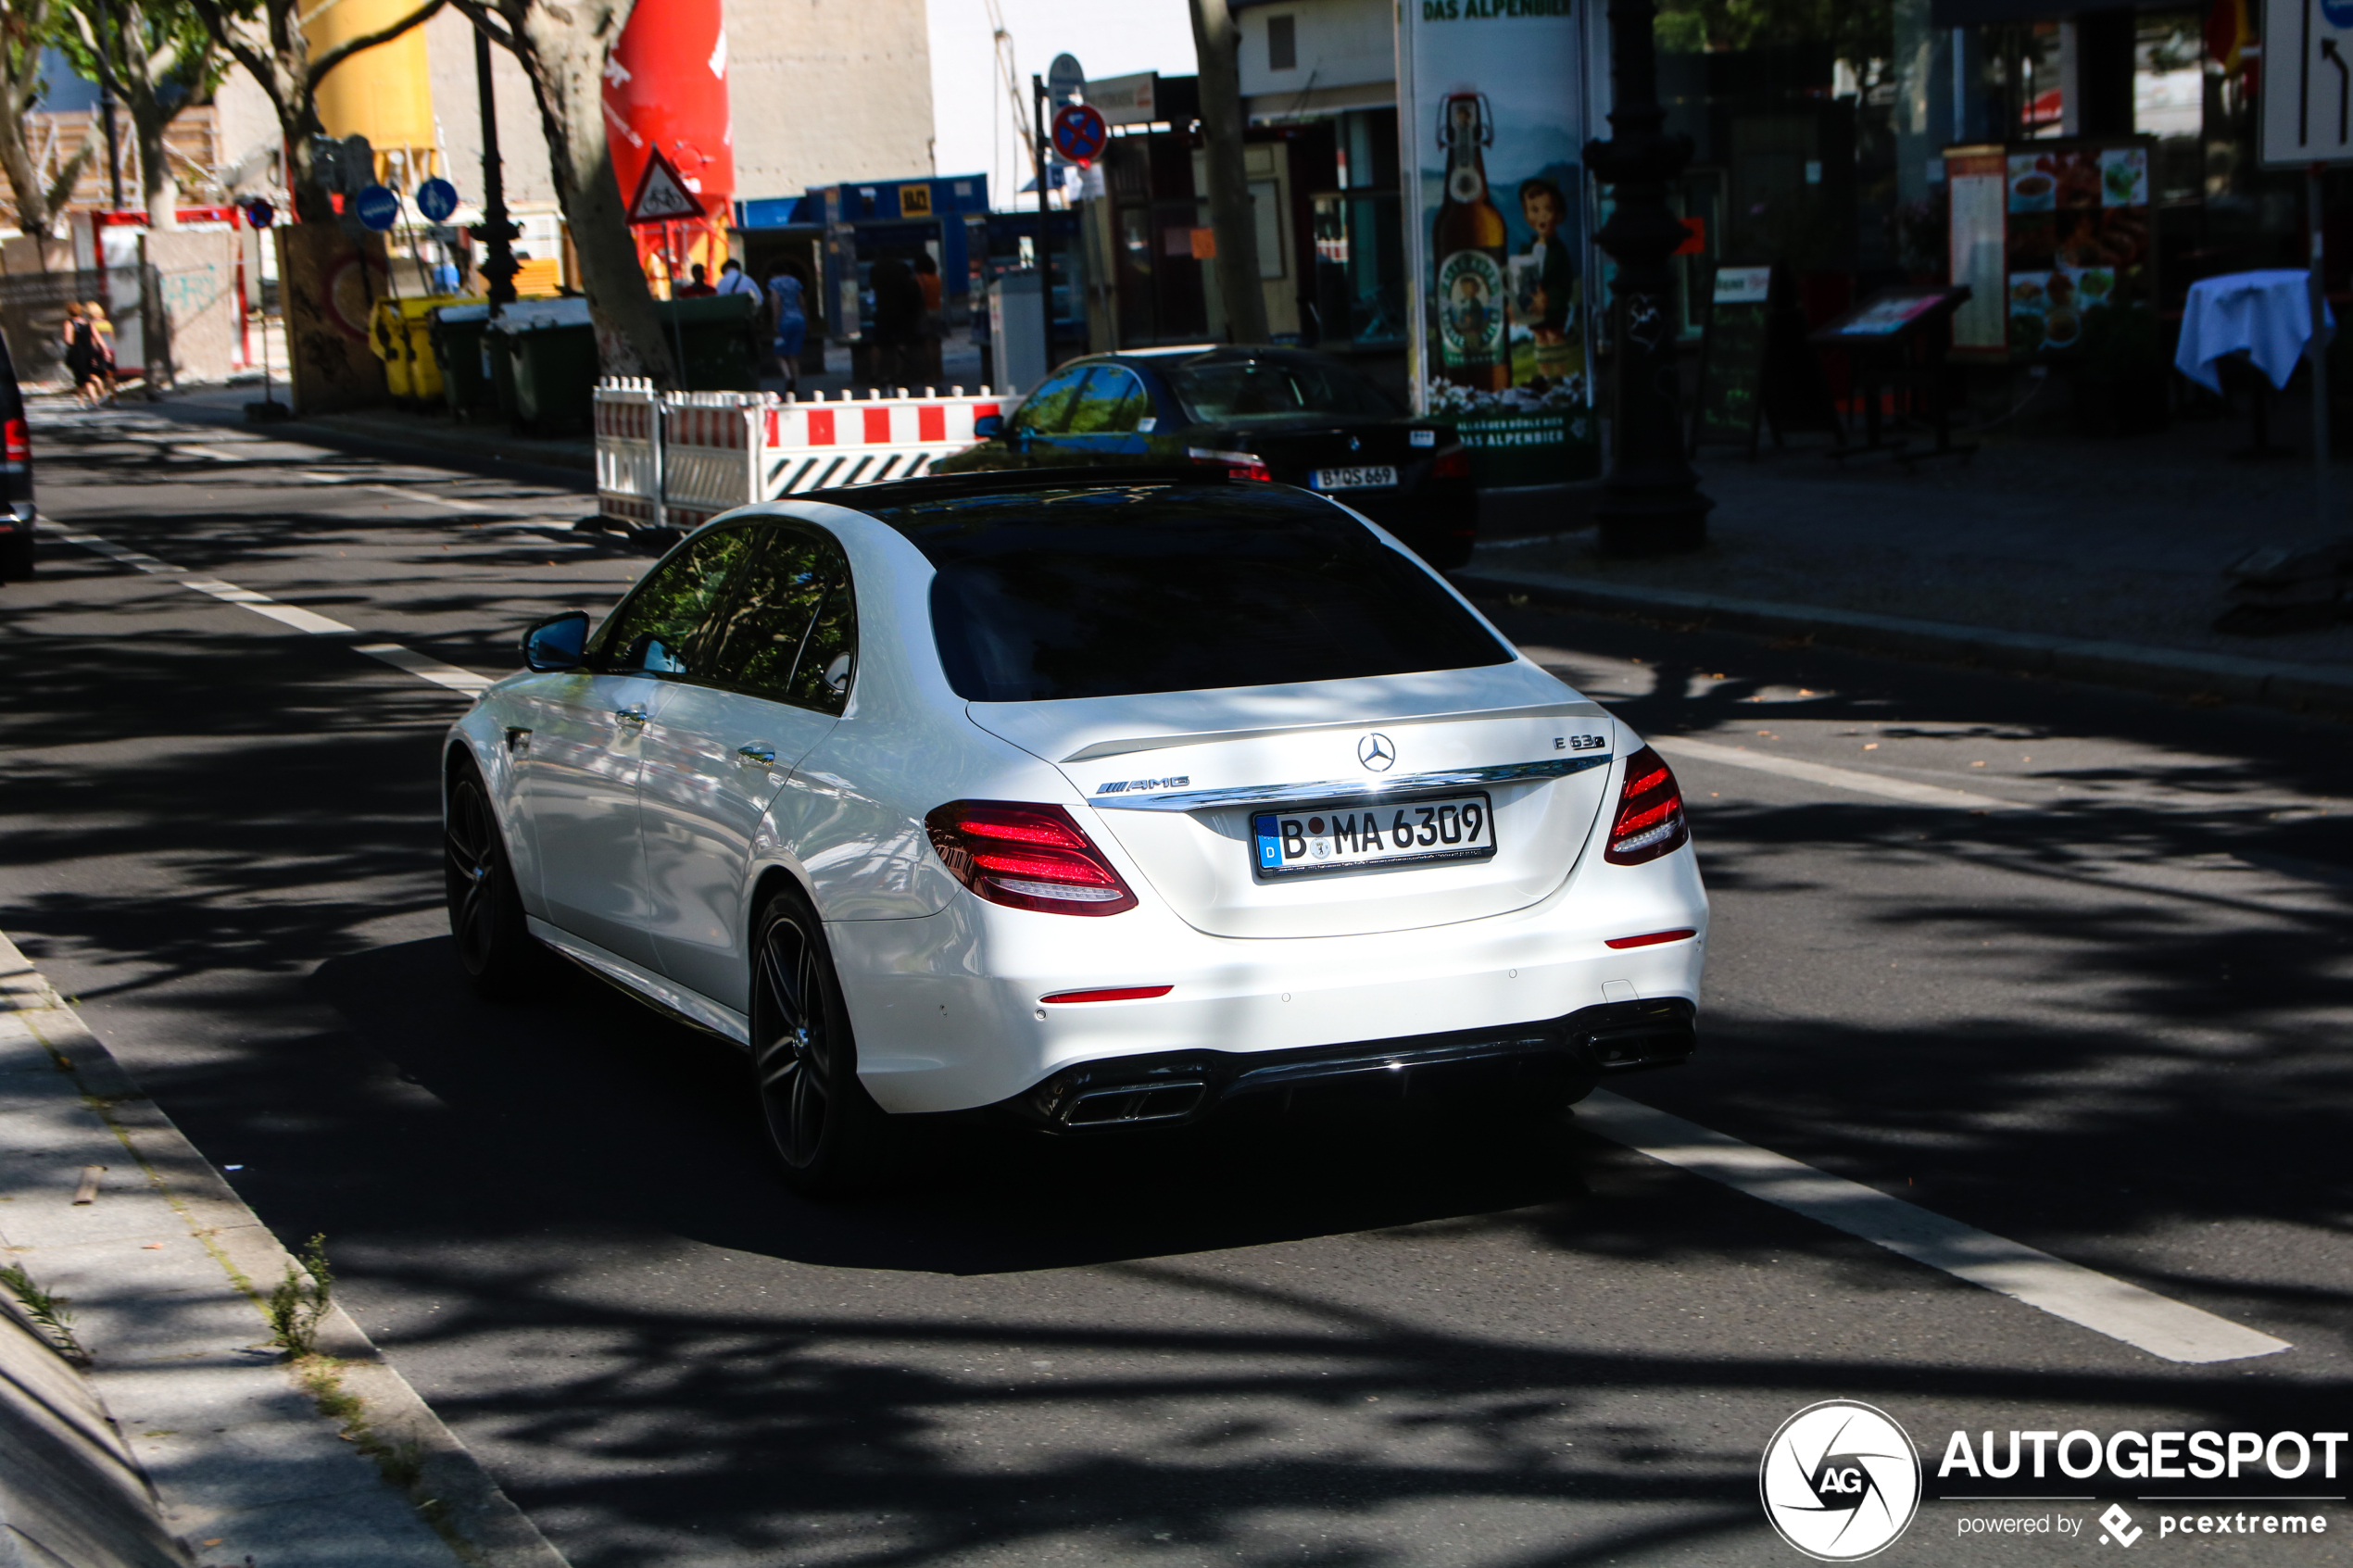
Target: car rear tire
pixel 16 558
pixel 829 1137
pixel 495 948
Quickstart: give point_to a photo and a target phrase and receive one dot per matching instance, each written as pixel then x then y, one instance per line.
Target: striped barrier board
pixel 681 458
pixel 628 459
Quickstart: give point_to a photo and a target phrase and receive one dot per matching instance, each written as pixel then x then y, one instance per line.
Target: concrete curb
pixel 165 1270
pixel 2298 687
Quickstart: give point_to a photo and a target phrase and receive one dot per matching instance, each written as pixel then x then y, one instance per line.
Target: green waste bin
pixel 551 351
pixel 461 350
pixel 715 331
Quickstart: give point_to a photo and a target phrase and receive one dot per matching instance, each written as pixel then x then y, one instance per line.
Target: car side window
pixel 786 623
pixel 828 661
pixel 658 628
pixel 1044 412
pixel 1113 403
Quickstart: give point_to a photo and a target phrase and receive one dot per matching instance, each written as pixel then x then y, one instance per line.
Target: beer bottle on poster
pixel 1468 238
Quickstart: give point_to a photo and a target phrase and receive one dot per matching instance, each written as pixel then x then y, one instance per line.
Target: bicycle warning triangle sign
pixel 662 197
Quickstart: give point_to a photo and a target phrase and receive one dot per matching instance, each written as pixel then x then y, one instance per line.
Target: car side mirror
pixel 988 427
pixel 837 673
pixel 560 642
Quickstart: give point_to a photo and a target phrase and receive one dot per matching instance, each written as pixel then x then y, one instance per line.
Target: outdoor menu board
pixel 2073 231
pixel 1977 182
pixel 1732 352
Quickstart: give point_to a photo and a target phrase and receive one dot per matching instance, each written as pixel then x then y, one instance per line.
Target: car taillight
pixel 1650 813
pixel 1238 465
pixel 1453 463
pixel 16 446
pixel 1027 857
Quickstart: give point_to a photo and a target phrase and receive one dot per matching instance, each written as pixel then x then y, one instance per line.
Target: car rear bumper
pixel 1560 1054
pixel 951 1012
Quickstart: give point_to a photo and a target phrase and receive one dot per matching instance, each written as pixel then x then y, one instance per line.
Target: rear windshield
pixel 1164 588
pixel 1227 391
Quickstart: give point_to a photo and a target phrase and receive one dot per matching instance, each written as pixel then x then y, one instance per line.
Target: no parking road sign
pixel 1079 133
pixel 2308 83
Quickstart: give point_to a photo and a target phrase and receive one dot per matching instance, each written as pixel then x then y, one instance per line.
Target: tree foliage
pixel 27 27
pixel 162 60
pixel 1856 29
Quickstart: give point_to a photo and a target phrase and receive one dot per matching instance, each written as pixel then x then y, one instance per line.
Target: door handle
pixel 630 715
pixel 763 754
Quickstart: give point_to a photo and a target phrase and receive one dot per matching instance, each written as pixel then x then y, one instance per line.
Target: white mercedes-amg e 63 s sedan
pixel 1104 800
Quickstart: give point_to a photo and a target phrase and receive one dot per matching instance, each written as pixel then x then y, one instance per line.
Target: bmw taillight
pixel 16 444
pixel 1238 465
pixel 1027 857
pixel 1650 813
pixel 1453 463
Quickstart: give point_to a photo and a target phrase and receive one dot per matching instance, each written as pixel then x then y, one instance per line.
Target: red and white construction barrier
pixel 680 458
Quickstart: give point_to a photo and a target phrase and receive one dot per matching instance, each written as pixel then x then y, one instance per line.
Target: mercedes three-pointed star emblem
pixel 1376 751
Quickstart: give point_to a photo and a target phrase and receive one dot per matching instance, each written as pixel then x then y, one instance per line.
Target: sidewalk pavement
pixel 2098 560
pixel 251 1460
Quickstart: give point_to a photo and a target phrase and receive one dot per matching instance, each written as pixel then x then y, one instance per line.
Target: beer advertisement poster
pixel 1493 120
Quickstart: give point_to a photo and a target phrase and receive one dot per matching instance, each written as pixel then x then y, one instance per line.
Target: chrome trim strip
pixel 688 1006
pixel 1210 738
pixel 1347 789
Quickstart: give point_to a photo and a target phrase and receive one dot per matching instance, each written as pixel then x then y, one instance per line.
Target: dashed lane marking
pixel 293 616
pixel 1837 778
pixel 2100 1303
pixel 450 501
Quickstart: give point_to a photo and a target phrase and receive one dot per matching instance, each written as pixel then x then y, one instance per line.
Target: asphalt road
pixel 2109 1023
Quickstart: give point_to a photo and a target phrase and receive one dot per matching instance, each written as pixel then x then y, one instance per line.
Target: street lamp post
pixel 1651 502
pixel 495 232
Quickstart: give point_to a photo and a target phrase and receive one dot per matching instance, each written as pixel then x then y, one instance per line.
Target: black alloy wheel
pixel 826 1131
pixel 485 910
pixel 16 559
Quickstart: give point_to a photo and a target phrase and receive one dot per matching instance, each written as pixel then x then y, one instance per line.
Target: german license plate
pixel 1367 477
pixel 1314 839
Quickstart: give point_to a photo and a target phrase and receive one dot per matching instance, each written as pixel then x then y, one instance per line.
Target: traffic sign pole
pixel 1044 253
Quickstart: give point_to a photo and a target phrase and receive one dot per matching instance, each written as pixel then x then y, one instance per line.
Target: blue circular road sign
pixel 260 213
pixel 437 199
pixel 1080 132
pixel 378 208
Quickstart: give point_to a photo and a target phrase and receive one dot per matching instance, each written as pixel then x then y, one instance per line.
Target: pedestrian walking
pixel 792 323
pixel 697 285
pixel 898 320
pixel 933 327
pixel 90 354
pixel 75 334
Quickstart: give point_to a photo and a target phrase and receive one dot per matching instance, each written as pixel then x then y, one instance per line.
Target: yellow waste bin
pixel 400 334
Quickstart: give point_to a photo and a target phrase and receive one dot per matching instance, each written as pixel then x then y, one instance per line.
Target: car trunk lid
pixel 1176 779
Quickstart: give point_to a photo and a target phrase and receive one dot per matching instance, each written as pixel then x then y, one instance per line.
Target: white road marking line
pixel 214 453
pixel 1837 778
pixel 432 670
pixel 294 616
pixel 450 501
pixel 2100 1303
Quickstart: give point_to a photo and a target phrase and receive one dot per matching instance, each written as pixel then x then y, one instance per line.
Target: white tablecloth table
pixel 2267 316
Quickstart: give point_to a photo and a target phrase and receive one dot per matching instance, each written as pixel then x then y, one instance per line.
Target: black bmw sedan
pixel 1279 414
